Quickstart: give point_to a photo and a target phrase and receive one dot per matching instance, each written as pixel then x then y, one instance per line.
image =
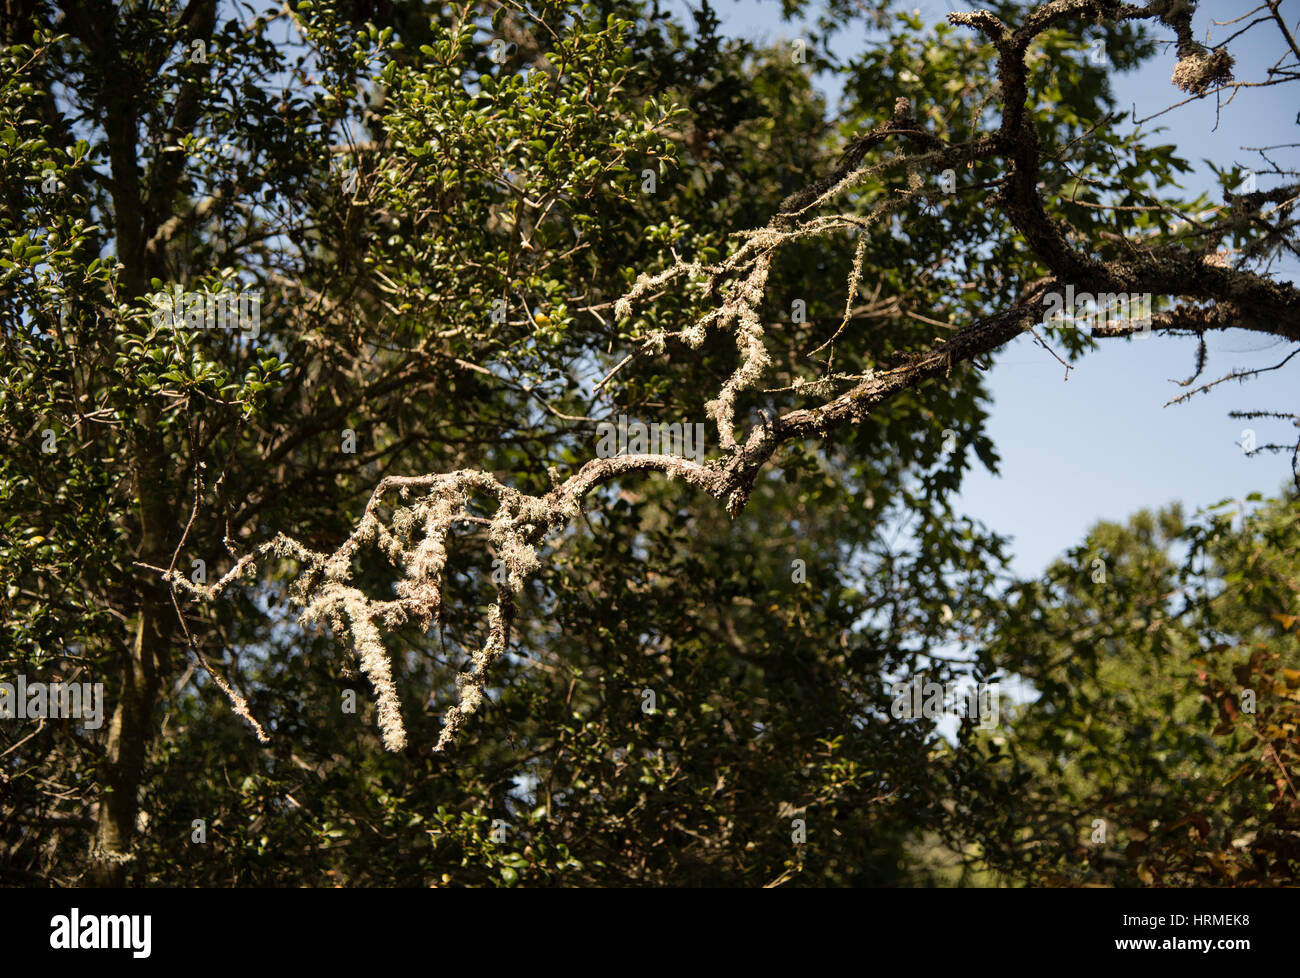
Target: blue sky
pixel 1102 444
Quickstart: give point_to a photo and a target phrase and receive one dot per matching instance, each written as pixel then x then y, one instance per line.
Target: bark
pixel 141 204
pixel 131 729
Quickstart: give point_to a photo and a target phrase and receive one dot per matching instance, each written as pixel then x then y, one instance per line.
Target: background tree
pixel 1162 747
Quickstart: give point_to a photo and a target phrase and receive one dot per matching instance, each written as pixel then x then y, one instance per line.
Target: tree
pixel 1161 746
pixel 477 232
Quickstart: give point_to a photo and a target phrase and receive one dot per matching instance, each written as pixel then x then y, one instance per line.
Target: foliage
pixel 1168 674
pixel 478 231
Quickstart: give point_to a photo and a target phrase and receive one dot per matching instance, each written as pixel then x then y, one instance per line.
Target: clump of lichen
pixel 1199 68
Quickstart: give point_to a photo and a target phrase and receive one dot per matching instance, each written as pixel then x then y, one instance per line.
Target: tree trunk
pixel 143 671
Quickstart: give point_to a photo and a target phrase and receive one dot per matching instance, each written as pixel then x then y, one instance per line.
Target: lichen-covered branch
pixel 416 533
